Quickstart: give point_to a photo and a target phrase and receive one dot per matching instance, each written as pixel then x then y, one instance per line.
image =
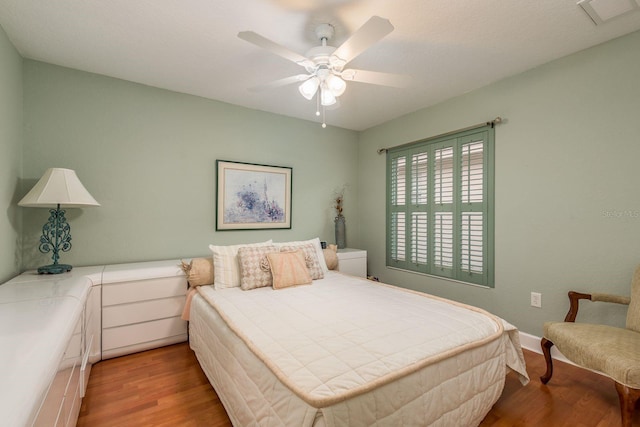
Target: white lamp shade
pixel 326 97
pixel 309 88
pixel 336 85
pixel 58 186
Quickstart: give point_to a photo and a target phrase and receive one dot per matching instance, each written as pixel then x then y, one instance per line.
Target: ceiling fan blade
pixel 372 31
pixel 376 78
pixel 273 47
pixel 281 82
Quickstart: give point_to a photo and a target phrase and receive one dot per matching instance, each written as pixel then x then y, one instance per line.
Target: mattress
pixel 347 351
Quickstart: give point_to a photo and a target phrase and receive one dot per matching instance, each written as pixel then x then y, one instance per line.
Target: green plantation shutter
pixel 472 206
pixel 440 206
pixel 397 210
pixel 418 247
pixel 443 209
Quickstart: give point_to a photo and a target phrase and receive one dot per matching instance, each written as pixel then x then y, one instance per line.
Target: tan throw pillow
pixel 254 266
pixel 316 244
pixel 331 257
pixel 310 257
pixel 288 269
pixel 199 271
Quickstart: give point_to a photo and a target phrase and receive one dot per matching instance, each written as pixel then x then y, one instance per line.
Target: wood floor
pixel 166 387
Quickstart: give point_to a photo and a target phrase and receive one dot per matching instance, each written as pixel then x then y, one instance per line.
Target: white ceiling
pixel 449 47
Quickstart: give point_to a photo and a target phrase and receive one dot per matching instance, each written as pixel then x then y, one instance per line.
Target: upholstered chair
pixel 615 352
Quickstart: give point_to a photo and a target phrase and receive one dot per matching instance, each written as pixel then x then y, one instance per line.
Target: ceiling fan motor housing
pixel 320 55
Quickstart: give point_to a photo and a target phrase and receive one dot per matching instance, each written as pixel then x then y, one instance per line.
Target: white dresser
pixel 352 261
pixel 45 346
pixel 54 327
pixel 141 307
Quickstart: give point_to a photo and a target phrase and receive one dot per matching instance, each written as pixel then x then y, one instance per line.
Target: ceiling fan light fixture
pixel 327 98
pixel 336 85
pixel 309 88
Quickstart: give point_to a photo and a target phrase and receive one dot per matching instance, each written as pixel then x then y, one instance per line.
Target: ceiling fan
pixel 325 74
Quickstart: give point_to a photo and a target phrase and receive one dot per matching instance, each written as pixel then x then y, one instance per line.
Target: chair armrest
pixel 610 298
pixel 575 297
pixel 574 304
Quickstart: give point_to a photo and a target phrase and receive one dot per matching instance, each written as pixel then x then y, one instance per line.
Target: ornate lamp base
pixel 54 269
pixel 56 237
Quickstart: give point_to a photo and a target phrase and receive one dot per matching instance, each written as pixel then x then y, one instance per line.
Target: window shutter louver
pixel 472 242
pixel 444 176
pixel 398 181
pixel 443 241
pixel 398 230
pixel 419 238
pixel 419 169
pixel 472 172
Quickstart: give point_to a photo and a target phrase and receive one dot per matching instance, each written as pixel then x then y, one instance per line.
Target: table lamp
pixel 57 188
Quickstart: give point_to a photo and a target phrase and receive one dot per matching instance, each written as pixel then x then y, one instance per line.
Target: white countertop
pixel 117 273
pixel 38 314
pixel 350 253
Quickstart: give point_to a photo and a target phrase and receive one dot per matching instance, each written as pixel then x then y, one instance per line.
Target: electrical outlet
pixel 536 299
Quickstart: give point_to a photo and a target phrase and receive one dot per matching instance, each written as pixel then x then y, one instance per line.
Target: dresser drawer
pixel 125 314
pixel 142 290
pixel 123 336
pixel 56 405
pixel 85 368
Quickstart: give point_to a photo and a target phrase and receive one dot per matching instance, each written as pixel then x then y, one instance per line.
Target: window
pixel 440 206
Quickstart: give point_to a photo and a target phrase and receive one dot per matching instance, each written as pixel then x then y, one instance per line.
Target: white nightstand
pixel 352 261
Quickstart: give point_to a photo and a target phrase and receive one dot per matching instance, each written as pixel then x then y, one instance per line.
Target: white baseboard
pixel 532 343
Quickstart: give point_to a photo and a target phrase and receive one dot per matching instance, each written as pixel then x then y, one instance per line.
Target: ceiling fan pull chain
pixel 324 122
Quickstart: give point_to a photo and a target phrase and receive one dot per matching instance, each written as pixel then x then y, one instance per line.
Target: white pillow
pixel 316 244
pixel 226 268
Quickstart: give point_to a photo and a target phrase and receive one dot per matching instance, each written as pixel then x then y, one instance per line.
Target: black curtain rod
pixel 492 123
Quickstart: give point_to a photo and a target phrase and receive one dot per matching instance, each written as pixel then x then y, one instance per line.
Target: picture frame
pixel 251 196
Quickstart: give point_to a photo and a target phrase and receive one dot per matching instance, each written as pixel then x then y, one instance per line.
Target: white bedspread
pixel 364 352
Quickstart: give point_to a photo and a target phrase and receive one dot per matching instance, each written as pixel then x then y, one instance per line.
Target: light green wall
pixel 11 157
pixel 148 156
pixel 567 210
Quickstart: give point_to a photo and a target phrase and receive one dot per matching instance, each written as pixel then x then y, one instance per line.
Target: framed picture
pixel 251 196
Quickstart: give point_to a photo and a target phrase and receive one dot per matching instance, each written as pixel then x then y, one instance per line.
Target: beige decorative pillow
pixel 310 257
pixel 254 266
pixel 226 268
pixel 288 269
pixel 331 257
pixel 316 244
pixel 199 271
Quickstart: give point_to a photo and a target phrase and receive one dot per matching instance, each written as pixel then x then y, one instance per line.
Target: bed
pixel 346 351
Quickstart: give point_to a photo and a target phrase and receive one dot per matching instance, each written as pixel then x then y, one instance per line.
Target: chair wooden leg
pixel 546 350
pixel 628 397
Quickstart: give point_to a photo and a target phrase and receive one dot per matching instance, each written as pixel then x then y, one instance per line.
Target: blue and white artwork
pixel 254 197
